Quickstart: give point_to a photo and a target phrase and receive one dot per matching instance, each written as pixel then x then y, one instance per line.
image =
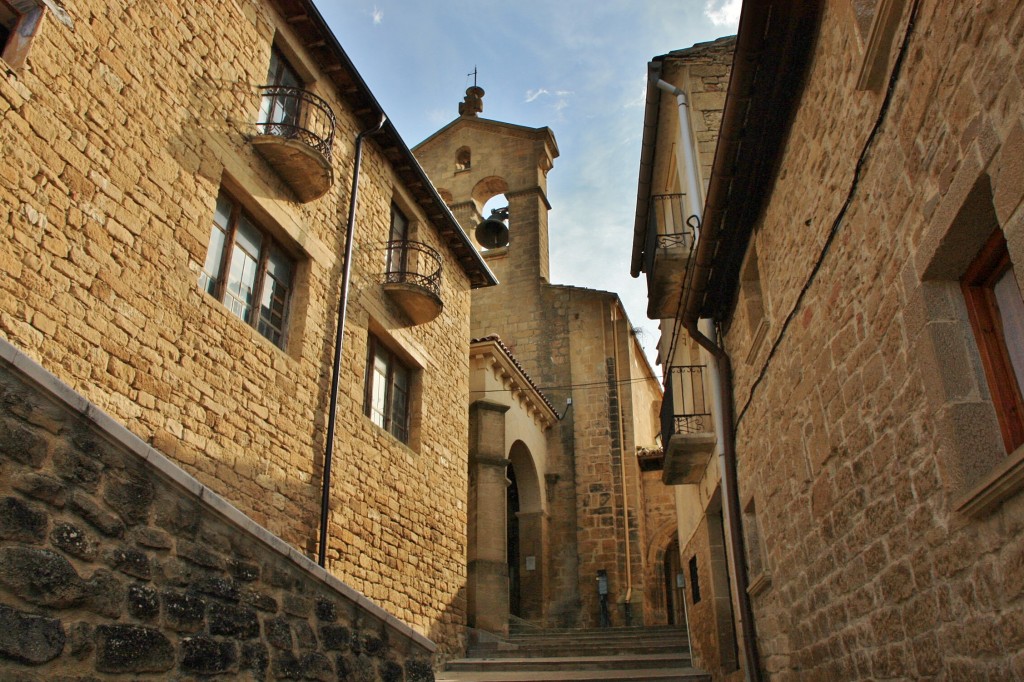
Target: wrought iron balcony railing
pixel 684 409
pixel 414 263
pixel 668 228
pixel 413 279
pixel 295 114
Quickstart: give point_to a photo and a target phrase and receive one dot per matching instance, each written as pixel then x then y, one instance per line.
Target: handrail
pixel 411 262
pixel 296 114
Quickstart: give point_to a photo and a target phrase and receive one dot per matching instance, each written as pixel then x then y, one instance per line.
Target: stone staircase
pixel 633 654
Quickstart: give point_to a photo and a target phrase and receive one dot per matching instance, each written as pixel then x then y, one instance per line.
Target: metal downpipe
pixel 346 270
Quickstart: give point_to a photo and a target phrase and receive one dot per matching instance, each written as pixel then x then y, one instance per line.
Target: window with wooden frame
pixel 397 242
pixel 388 381
pixel 19 20
pixel 279 112
pixel 996 312
pixel 248 271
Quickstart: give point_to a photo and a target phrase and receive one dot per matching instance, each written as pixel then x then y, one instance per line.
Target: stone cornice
pixel 512 376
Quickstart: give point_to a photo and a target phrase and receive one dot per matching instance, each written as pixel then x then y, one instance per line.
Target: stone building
pixel 561 398
pixel 170 273
pixel 852 287
pixel 664 237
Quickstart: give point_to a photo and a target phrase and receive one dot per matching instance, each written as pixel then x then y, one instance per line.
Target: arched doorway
pixel 673 590
pixel 512 544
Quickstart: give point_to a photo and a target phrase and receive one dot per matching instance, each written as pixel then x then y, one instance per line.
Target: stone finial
pixel 474 102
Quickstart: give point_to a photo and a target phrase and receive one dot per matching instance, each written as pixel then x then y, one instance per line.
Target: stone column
pixel 487 588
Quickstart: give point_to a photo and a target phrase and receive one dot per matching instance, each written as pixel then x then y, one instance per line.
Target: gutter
pixel 721 395
pixel 773 45
pixel 339 339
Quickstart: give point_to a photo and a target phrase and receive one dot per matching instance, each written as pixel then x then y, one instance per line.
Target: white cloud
pixel 378 16
pixel 723 12
pixel 534 94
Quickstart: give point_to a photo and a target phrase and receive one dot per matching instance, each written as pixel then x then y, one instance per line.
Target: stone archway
pixel 528 568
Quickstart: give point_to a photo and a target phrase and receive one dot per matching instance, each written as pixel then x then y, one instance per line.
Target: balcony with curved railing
pixel 413 279
pixel 671 236
pixel 295 134
pixel 687 429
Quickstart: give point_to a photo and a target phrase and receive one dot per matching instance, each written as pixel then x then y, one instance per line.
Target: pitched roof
pixel 322 45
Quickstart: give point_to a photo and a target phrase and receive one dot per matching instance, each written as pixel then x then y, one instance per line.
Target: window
pixel 387 390
pixel 248 271
pixel 753 302
pixel 463 159
pixel 694 580
pixel 19 20
pixel 399 235
pixel 279 110
pixel 996 312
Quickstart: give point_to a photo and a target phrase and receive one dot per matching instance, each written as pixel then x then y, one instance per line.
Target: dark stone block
pixel 373 646
pixel 199 555
pixel 29 638
pixel 217 587
pixel 232 621
pixel 143 602
pixel 282 579
pixel 80 639
pixel 316 666
pixel 41 576
pixel 130 562
pixel 335 637
pixel 132 649
pixel 184 612
pixel 207 656
pixel 104 594
pixel 74 541
pixel 86 507
pixel 285 666
pixel 21 444
pixel 326 610
pixel 40 486
pixel 297 606
pixel 304 635
pixel 180 517
pixel 130 495
pixel 21 522
pixel 243 570
pixel 278 633
pixel 260 601
pixel 356 668
pixel 78 468
pixel 391 672
pixel 254 658
pixel 154 538
pixel 419 671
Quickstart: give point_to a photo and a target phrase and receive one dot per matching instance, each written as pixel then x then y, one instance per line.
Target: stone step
pixel 643 675
pixel 570 663
pixel 517 648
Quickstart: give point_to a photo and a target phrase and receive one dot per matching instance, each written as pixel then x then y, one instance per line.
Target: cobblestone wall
pixel 114 562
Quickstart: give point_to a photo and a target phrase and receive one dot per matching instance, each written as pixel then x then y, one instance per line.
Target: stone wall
pixel 114 561
pixel 111 169
pixel 888 510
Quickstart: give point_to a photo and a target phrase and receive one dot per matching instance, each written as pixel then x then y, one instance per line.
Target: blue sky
pixel 576 66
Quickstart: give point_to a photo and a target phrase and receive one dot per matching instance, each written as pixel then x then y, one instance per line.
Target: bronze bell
pixel 492 233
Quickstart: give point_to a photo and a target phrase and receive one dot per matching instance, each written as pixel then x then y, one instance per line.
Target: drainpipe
pixel 346 270
pixel 703 332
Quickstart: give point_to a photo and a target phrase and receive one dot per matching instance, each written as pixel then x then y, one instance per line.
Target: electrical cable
pixel 837 223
